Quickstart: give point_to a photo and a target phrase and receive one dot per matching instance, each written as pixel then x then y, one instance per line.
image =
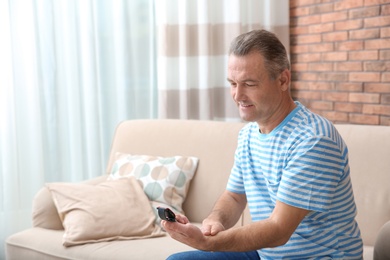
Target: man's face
pixel 255 93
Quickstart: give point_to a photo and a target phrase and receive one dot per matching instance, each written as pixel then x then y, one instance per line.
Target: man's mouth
pixel 245 105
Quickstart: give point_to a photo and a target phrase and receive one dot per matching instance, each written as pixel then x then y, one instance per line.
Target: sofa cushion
pixel 368 160
pixel 165 180
pixel 103 212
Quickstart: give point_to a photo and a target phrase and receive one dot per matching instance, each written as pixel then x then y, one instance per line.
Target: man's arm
pixel 271 232
pixel 225 214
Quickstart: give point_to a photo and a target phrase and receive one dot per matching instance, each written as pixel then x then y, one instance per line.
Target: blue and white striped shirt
pixel 303 162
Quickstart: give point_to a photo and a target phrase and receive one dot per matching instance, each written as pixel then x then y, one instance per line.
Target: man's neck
pixel 277 118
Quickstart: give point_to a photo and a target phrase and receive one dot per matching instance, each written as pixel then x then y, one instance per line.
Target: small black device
pixel 166 214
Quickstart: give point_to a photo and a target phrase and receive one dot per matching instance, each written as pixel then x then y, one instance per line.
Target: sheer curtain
pixel 193 42
pixel 70 71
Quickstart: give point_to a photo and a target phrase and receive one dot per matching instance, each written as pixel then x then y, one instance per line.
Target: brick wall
pixel 340 56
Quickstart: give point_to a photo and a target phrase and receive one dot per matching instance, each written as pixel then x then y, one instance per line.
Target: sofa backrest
pixel 212 142
pixel 369 160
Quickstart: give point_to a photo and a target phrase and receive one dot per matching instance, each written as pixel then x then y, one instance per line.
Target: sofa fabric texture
pixel 213 143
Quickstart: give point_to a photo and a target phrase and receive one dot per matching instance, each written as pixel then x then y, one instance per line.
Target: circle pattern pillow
pixel 165 180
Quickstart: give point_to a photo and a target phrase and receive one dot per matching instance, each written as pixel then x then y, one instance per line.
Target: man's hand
pixel 186 233
pixel 271 232
pixel 211 228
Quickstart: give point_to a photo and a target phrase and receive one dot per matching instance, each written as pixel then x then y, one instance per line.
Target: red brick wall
pixel 340 56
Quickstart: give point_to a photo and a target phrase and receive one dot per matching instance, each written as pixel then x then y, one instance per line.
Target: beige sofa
pixel 214 144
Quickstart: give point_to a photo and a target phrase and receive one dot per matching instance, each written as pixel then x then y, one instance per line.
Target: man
pixel 291 167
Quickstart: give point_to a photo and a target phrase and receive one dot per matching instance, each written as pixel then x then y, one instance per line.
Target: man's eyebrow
pixel 245 80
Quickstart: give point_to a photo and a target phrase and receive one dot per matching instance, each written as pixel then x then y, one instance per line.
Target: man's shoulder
pixel 313 128
pixel 309 123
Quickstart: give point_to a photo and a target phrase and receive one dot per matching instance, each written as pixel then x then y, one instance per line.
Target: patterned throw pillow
pixel 165 180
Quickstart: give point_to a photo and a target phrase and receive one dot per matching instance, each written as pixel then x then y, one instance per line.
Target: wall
pixel 340 55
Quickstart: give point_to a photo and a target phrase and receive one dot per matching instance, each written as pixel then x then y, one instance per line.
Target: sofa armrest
pixel 381 247
pixel 44 211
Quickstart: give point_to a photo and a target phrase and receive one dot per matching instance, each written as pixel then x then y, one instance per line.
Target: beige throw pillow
pixel 107 211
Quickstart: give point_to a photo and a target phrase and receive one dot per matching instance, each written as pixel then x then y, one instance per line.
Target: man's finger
pixel 206 230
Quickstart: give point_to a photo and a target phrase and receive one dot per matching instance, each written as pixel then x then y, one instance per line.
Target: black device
pixel 166 214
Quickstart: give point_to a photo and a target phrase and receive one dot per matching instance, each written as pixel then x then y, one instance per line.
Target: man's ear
pixel 285 79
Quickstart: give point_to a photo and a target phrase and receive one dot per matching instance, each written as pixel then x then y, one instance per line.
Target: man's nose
pixel 239 92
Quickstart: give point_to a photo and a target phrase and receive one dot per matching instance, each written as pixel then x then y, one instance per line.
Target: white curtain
pixel 194 38
pixel 70 71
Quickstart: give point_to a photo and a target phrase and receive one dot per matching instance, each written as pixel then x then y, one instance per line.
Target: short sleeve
pixel 311 174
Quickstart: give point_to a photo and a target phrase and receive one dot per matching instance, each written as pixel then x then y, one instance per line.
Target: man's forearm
pixel 271 232
pixel 228 209
pixel 247 238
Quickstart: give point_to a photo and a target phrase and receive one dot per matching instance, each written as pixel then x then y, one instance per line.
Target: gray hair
pixel 268 45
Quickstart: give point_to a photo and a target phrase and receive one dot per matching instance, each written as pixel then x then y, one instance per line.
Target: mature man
pixel 291 167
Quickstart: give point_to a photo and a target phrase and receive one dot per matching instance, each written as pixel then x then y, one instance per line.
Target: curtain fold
pixel 193 41
pixel 70 71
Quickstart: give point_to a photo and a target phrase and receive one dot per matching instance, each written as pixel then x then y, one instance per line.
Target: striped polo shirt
pixel 303 162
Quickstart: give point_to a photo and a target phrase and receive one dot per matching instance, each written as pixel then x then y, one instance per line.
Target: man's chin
pixel 247 118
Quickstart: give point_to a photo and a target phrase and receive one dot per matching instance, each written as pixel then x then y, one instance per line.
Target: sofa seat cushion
pixel 39 243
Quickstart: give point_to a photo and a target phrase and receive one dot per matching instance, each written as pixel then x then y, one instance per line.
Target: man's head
pixel 259 76
pixel 268 45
